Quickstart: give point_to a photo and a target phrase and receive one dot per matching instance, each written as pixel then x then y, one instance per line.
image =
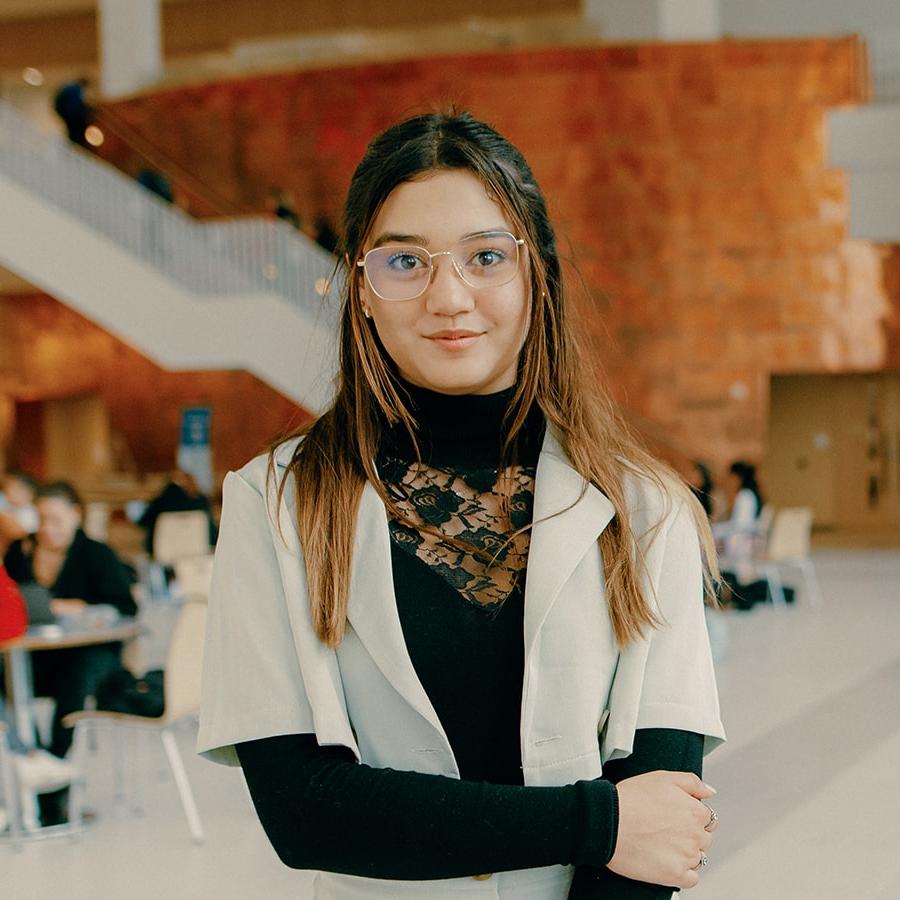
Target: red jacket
pixel 13 617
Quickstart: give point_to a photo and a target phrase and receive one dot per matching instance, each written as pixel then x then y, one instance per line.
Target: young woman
pixel 738 535
pixel 747 502
pixel 456 636
pixel 79 572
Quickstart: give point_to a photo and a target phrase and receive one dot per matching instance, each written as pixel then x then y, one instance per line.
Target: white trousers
pixel 547 883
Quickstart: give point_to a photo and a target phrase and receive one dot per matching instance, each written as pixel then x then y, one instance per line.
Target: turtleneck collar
pixel 465 429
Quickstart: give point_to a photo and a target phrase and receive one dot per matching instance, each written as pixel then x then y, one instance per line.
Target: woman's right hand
pixel 662 828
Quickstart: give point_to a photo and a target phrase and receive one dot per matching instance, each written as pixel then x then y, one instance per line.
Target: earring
pixel 367 312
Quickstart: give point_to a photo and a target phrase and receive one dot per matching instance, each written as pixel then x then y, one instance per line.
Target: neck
pixel 470 428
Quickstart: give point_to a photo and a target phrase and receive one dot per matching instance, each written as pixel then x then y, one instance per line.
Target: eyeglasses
pixel 404 271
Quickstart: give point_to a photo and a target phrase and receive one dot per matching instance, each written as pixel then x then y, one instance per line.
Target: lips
pixel 454 340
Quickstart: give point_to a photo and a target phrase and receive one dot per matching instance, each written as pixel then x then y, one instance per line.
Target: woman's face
pixel 17 492
pixel 59 521
pixel 454 338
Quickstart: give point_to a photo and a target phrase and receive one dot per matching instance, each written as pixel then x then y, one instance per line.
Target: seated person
pixel 181 494
pixel 702 486
pixel 36 770
pixel 18 515
pixel 746 501
pixel 78 571
pixel 736 536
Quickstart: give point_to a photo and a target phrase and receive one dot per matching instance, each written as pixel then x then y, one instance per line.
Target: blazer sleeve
pixel 679 682
pixel 252 684
pixel 666 679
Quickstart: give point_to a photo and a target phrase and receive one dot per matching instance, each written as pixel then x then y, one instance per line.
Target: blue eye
pixel 404 261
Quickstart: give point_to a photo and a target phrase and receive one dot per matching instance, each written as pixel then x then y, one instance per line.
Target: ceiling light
pixel 32 76
pixel 93 135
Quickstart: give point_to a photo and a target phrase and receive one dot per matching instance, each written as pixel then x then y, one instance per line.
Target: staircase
pixel 247 293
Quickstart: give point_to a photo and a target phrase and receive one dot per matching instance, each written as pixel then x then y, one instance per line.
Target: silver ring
pixel 713 818
pixel 704 861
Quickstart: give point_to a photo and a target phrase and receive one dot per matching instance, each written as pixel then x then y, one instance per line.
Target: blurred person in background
pixel 71 104
pixel 79 572
pixel 737 536
pixel 280 203
pixel 157 183
pixel 36 770
pixel 18 514
pixel 747 502
pixel 702 485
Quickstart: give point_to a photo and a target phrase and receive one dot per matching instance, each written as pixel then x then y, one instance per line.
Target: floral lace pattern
pixel 465 505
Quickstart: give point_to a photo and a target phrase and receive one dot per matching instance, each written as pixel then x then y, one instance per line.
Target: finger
pixel 690 879
pixel 693 785
pixel 706 841
pixel 701 862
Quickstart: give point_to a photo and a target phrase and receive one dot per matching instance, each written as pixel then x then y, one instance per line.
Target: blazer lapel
pixel 372 606
pixel 569 516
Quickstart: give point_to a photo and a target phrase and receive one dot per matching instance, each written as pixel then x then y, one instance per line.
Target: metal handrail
pixel 220 258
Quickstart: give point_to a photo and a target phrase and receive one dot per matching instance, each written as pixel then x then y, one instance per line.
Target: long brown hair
pixel 336 457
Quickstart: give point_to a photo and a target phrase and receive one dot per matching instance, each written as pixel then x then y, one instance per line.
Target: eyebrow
pixel 391 237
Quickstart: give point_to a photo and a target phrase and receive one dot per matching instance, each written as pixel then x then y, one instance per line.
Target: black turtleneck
pixel 322 810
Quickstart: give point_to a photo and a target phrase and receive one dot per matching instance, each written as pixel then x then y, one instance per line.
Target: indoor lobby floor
pixel 808 783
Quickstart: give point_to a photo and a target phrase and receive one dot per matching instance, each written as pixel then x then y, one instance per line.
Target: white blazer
pixel 266 673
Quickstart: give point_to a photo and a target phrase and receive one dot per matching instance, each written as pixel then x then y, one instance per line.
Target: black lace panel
pixel 465 505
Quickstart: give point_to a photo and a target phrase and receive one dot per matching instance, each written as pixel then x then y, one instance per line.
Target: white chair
pixel 193 576
pixel 181 681
pixel 176 536
pixel 10 792
pixel 764 525
pixel 179 535
pixel 788 545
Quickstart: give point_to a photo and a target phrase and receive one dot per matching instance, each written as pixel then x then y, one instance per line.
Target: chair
pixel 178 535
pixel 10 792
pixel 764 524
pixel 788 544
pixel 193 576
pixel 181 685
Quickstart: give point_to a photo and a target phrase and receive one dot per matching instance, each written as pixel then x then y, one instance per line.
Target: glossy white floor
pixel 809 782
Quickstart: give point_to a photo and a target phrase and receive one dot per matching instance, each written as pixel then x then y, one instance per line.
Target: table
pixel 51 637
pixel 73 633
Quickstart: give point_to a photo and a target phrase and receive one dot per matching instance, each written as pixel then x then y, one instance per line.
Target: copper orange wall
pixel 689 180
pixel 51 351
pixel 891 268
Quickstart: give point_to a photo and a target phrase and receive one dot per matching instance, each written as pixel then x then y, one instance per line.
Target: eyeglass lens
pixel 402 272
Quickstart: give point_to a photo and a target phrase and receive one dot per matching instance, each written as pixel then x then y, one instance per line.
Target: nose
pixel 447 294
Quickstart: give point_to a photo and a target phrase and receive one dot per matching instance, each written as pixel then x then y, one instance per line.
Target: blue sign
pixel 194 453
pixel 195 427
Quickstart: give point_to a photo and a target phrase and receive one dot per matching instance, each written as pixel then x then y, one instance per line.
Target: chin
pixel 455 383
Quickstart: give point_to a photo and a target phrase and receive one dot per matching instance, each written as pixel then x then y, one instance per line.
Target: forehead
pixel 57 505
pixel 441 207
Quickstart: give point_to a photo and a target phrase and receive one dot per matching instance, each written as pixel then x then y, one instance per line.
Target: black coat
pixel 90 572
